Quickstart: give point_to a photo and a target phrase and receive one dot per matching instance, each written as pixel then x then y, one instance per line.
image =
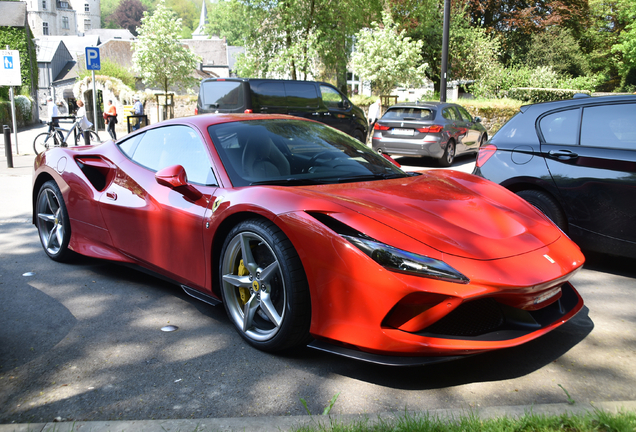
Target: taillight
pixel 196 110
pixel 431 129
pixel 378 126
pixel 248 111
pixel 485 153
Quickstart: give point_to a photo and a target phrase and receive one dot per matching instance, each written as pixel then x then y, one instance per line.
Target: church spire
pixel 199 32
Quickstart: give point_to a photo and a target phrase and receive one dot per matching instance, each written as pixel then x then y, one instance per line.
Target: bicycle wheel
pixel 44 141
pixel 94 139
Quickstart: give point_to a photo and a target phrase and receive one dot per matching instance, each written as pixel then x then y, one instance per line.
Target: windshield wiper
pixel 288 182
pixel 366 177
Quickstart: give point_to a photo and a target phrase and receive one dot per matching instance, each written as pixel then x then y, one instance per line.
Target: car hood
pixel 452 212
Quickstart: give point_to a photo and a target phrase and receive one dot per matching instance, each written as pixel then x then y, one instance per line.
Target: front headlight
pixel 406 262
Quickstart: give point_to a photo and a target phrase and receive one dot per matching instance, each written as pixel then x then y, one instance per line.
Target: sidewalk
pixel 285 423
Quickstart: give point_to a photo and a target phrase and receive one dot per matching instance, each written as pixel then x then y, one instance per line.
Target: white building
pixel 63 17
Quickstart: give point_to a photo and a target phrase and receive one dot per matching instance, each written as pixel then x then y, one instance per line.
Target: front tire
pixel 264 287
pixel 547 205
pixel 54 227
pixel 449 154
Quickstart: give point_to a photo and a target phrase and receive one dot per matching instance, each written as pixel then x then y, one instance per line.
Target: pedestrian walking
pixel 110 115
pixel 138 110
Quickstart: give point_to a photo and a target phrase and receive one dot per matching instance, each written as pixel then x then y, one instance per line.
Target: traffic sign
pixel 10 70
pixel 92 58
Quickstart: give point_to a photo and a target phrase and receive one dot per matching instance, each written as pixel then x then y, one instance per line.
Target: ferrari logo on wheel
pixel 255 286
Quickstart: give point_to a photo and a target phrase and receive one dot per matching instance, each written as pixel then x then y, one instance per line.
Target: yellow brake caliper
pixel 243 292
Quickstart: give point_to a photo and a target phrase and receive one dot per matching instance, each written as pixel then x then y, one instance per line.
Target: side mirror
pixel 175 178
pixel 477 119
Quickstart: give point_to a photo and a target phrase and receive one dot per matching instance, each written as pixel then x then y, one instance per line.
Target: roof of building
pixel 199 32
pixel 69 72
pixel 117 51
pixel 107 34
pixel 13 14
pixel 47 49
pixel 76 45
pixel 212 51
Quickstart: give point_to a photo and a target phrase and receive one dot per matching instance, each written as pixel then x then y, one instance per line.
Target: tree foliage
pixel 158 55
pixel 21 39
pixel 109 69
pixel 233 20
pixel 386 57
pixel 128 15
pixel 304 39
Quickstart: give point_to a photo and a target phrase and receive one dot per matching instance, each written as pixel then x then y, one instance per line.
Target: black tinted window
pixel 301 95
pixel 561 127
pixel 610 126
pixel 223 94
pixel 175 145
pixel 331 97
pixel 270 94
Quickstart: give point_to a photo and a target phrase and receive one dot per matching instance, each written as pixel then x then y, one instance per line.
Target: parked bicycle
pixel 57 137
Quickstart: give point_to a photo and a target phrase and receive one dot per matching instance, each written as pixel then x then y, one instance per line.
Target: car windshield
pixel 295 152
pixel 408 113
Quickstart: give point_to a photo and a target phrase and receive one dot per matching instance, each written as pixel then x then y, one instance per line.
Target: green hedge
pixel 535 95
pixel 23 112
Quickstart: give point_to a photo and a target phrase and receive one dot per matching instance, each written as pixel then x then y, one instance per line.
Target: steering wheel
pixel 315 157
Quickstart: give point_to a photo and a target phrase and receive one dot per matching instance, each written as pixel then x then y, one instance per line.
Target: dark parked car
pixel 436 129
pixel 309 99
pixel 575 160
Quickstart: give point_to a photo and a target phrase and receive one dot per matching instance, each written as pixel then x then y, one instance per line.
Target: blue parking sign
pixel 92 58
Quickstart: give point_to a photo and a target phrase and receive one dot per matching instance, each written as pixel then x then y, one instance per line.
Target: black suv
pixel 575 160
pixel 309 99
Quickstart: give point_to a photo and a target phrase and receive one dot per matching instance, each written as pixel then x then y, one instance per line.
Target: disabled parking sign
pixel 10 68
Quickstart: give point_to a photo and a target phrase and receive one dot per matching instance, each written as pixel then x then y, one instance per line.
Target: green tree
pixel 111 69
pixel 557 48
pixel 158 55
pixel 304 38
pixel 233 20
pixel 387 57
pixel 626 44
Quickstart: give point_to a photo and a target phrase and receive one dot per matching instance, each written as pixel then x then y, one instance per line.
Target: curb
pixel 277 424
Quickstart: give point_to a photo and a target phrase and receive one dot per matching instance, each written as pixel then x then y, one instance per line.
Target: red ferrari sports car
pixel 309 237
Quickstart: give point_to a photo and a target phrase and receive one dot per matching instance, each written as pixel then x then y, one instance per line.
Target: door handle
pixel 563 154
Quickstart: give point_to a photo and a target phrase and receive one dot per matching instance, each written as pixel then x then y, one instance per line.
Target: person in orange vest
pixel 110 115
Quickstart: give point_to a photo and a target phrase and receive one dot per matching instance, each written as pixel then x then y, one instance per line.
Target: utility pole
pixel 445 35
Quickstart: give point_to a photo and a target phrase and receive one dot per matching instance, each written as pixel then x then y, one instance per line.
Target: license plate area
pixel 402 132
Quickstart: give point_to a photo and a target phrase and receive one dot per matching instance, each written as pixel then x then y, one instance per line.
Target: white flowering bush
pixel 23 107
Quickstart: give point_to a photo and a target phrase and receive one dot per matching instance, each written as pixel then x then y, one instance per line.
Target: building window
pixel 43 4
pixel 87 24
pixel 65 22
pixel 45 28
pixel 87 8
pixel 63 5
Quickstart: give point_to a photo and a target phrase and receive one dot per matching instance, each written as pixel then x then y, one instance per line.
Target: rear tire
pixel 547 205
pixel 52 221
pixel 449 154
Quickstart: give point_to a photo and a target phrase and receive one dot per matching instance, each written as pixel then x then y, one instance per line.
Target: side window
pixel 561 127
pixel 174 145
pixel 465 114
pixel 609 126
pixel 331 97
pixel 301 95
pixel 449 114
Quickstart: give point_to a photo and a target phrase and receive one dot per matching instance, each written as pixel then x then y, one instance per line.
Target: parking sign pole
pixel 94 103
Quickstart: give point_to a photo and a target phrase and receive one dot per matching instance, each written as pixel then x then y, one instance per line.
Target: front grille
pixel 470 319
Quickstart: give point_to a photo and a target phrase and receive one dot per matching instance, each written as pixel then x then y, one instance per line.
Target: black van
pixel 310 99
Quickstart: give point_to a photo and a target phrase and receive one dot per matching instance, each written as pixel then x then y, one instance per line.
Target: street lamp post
pixel 445 34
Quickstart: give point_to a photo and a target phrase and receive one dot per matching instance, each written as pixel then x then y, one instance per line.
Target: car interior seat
pixel 263 160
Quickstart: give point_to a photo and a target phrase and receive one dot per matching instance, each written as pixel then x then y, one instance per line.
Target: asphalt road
pixel 83 341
